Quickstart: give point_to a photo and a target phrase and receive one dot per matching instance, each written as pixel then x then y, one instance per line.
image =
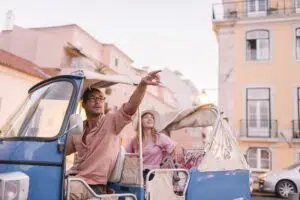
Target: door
pixel 258 119
pixel 29 139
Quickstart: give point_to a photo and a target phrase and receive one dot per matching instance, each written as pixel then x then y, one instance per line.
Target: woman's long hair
pixel 137 137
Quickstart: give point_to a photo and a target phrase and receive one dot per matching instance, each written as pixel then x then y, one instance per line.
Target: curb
pixel 262 194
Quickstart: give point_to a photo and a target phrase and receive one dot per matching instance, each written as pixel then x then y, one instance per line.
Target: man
pixel 97 149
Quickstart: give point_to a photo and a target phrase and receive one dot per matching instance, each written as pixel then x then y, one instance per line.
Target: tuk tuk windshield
pixel 42 113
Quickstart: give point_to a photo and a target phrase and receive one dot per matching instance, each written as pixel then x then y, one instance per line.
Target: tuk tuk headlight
pixel 11 190
pixel 14 186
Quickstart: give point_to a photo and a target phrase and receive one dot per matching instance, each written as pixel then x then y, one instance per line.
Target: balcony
pixel 296 129
pixel 259 129
pixel 254 8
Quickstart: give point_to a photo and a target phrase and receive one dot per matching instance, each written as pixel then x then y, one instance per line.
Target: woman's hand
pixel 178 153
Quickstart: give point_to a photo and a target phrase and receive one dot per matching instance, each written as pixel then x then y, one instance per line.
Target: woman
pixel 156 146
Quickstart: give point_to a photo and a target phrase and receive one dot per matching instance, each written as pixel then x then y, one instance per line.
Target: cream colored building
pixel 259 78
pixel 17 75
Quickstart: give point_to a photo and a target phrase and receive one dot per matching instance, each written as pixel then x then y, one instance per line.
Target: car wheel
pixel 284 187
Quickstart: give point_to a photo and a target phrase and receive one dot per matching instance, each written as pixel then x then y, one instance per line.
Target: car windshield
pixel 42 113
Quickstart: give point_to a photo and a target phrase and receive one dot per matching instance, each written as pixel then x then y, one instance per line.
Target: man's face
pixel 95 103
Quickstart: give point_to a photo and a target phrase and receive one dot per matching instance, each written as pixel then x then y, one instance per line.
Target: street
pixel 265 198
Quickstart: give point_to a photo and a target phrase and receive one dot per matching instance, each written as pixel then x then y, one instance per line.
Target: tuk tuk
pixel 33 161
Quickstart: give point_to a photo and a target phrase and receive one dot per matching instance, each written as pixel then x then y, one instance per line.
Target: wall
pixel 13 90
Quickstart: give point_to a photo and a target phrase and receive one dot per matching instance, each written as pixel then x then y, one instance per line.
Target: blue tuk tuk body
pixel 40 158
pixel 38 152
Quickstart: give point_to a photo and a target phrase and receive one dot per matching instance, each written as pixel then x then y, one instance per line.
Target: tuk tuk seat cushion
pixel 119 165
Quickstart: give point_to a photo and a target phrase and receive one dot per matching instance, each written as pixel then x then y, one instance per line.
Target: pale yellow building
pixel 259 78
pixel 17 76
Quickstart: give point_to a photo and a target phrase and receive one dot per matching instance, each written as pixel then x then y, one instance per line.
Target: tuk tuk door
pixel 31 140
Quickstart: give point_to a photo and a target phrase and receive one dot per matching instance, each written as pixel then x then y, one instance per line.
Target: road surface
pixel 265 198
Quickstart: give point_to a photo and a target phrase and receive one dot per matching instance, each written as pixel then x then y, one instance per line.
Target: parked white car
pixel 281 182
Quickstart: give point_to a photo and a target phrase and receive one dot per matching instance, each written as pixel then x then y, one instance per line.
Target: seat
pixel 163 186
pixel 131 172
pixel 85 191
pixel 118 169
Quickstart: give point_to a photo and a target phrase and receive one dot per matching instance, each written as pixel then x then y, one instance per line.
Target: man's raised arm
pixel 152 78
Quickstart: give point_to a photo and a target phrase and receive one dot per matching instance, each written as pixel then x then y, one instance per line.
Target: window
pixel 298 102
pixel 296 122
pixel 34 126
pixel 259 158
pixel 258 112
pixel 297 5
pixel 116 62
pixel 37 116
pixel 256 7
pixel 297 160
pixel 257 43
pixel 298 43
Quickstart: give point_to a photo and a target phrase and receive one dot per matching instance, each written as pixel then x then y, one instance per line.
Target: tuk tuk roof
pixel 95 79
pixel 203 115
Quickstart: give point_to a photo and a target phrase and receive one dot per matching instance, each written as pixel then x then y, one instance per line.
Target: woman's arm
pixel 171 147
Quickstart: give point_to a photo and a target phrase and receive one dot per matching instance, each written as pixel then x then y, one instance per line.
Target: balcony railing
pixel 259 128
pixel 296 129
pixel 257 8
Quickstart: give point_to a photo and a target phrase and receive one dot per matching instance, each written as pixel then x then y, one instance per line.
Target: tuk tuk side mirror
pixel 75 127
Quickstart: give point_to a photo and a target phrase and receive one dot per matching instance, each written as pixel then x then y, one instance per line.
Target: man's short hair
pixel 87 93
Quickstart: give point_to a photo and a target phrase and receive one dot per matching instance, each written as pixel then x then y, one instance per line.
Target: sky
pixel 158 33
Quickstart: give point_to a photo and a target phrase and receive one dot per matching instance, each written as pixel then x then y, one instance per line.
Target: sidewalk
pixel 260 194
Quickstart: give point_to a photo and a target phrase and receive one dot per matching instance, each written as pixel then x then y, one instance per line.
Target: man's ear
pixel 83 104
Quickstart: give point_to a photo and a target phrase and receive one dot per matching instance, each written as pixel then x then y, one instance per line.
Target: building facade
pixel 184 90
pixel 17 76
pixel 259 53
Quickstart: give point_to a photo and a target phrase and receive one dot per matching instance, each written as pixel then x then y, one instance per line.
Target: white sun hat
pixel 153 112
